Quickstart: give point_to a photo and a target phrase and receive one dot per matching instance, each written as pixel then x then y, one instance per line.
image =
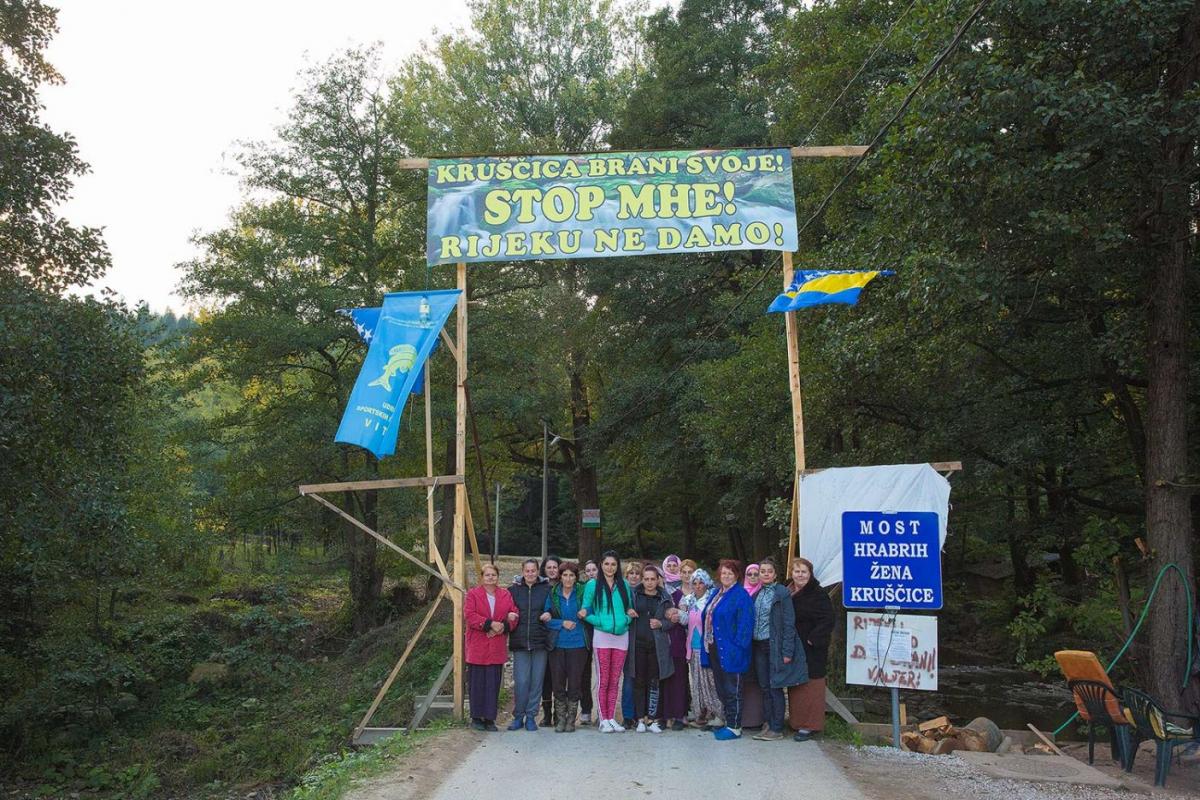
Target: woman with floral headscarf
pixel 706 703
pixel 670 573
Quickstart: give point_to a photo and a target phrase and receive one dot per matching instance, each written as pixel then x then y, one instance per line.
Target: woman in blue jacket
pixel 728 628
pixel 569 654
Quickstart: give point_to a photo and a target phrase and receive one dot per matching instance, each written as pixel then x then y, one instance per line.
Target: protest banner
pixel 609 204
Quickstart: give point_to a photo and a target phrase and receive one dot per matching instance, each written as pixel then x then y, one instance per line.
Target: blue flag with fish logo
pixel 402 339
pixel 365 321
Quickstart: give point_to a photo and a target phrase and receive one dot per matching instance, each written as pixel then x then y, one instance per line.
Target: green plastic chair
pixel 1151 721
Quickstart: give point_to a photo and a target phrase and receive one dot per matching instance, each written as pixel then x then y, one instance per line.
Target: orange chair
pixel 1097 701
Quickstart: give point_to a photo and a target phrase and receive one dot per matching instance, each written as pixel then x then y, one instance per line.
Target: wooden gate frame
pixel 454 578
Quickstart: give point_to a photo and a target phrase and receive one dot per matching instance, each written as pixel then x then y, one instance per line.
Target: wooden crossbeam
pixel 427 700
pixel 940 466
pixel 383 483
pixel 820 151
pixel 446 579
pixel 387 684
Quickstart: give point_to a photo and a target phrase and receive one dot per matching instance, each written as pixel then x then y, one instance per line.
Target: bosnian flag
pixel 820 286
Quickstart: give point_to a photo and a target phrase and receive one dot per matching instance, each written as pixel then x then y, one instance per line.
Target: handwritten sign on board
pixel 891 650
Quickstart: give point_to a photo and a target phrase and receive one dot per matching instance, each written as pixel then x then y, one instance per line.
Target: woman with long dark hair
pixel 607 603
pixel 651 647
pixel 569 655
pixel 728 626
pixel 814 626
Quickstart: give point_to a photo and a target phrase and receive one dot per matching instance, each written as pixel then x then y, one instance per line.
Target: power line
pixel 887 35
pixel 932 69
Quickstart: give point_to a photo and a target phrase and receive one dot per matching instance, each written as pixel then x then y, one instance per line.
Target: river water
pixel 1008 696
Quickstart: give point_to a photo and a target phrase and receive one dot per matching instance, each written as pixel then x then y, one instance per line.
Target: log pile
pixel 938 737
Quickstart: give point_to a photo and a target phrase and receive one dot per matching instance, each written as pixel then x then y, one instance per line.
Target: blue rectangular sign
pixel 891 560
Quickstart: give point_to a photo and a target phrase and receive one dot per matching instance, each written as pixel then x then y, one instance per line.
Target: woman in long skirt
pixel 486 610
pixel 814 626
pixel 673 704
pixel 706 704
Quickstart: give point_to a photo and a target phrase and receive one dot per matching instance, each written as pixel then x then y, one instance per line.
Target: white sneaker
pixel 641 728
pixel 604 727
pixel 655 727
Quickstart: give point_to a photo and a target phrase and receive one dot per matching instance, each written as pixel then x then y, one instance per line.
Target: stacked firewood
pixel 938 736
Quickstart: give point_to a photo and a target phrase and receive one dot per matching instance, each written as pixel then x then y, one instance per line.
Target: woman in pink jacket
pixel 490 614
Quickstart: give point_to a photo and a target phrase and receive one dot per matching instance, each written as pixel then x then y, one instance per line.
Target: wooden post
pixel 793 354
pixel 429 463
pixel 460 490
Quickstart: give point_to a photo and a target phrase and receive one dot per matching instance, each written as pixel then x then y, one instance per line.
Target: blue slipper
pixel 725 734
pixel 530 724
pixel 516 724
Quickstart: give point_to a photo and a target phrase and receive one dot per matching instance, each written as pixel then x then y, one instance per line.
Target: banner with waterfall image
pixel 403 338
pixel 599 205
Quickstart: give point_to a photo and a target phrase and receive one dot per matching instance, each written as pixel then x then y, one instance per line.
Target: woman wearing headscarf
pixel 673 702
pixel 670 572
pixel 814 625
pixel 486 609
pixel 607 602
pixel 728 626
pixel 752 694
pixel 706 704
pixel 778 661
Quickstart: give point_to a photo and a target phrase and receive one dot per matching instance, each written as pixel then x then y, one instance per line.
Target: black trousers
pixel 585 698
pixel 566 671
pixel 645 680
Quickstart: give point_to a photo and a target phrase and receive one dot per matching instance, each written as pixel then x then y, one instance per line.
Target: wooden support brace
pixel 940 466
pixel 388 542
pixel 384 483
pixel 472 540
pixel 427 700
pixel 387 684
pixel 446 340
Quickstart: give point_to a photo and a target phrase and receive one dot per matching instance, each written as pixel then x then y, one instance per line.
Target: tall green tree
pixel 529 76
pixel 333 230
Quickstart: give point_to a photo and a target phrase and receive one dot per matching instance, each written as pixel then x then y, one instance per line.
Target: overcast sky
pixel 156 94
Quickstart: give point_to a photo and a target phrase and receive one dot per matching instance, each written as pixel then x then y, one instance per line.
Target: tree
pixel 37 165
pixel 529 77
pixel 332 233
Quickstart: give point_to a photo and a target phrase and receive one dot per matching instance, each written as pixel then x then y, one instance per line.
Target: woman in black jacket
pixel 814 625
pixel 528 642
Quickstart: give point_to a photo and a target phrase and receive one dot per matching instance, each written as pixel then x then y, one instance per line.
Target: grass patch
pixel 335 773
pixel 838 730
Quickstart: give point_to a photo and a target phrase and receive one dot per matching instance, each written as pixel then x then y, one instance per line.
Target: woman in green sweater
pixel 607 604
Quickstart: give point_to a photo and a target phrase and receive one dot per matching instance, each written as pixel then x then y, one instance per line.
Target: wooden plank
pixel 822 151
pixel 383 483
pixel 474 542
pixel 1046 740
pixel 384 540
pixel 792 333
pixel 940 466
pixel 903 714
pixel 933 724
pixel 460 491
pixel 428 699
pixel 387 684
pixel 449 344
pixel 830 151
pixel 432 546
pixel 832 703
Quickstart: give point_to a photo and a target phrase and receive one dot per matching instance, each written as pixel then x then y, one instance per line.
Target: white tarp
pixel 897 487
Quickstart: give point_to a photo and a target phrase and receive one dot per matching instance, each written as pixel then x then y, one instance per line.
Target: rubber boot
pixel 572 708
pixel 560 713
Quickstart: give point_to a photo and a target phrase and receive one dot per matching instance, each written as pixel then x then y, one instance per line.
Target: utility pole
pixel 545 486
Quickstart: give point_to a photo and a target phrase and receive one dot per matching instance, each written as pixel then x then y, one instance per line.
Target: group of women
pixel 676 647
